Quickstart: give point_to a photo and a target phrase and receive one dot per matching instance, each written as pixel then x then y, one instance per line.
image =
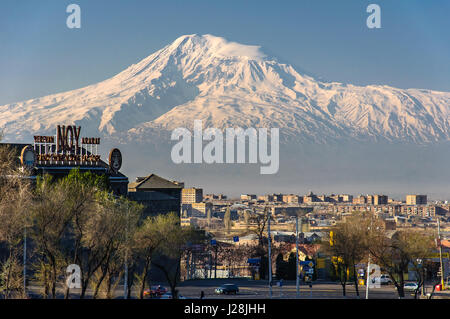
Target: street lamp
pixel 368 262
pixel 299 212
pixel 440 254
pixel 25 261
pixel 270 254
pixel 125 285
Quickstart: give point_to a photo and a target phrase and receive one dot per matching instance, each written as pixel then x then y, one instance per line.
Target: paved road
pixel 260 290
pixel 251 289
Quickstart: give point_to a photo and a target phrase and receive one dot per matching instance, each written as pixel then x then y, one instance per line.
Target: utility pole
pixel 440 253
pixel 297 279
pixel 210 265
pixel 297 275
pixel 368 266
pixel 215 264
pixel 25 261
pixel 270 254
pixel 367 278
pixel 125 284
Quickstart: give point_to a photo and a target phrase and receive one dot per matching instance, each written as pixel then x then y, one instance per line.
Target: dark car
pixel 155 291
pixel 227 289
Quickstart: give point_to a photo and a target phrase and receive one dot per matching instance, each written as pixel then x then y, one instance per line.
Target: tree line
pixel 76 220
pixel 361 235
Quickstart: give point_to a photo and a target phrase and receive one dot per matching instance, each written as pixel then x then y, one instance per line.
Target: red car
pixel 155 291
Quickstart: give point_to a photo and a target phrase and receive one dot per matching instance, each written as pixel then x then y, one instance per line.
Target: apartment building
pixel 248 197
pixel 191 195
pixel 292 199
pixel 266 198
pixel 416 199
pixel 380 200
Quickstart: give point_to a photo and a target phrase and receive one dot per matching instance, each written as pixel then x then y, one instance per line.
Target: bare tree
pixel 15 195
pixel 396 252
pixel 106 231
pixel 147 240
pixel 259 222
pixel 51 221
pixel 347 246
pixel 418 245
pixel 172 248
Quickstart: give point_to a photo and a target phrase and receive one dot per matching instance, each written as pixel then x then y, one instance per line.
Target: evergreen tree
pixel 208 217
pixel 291 266
pixel 227 219
pixel 282 267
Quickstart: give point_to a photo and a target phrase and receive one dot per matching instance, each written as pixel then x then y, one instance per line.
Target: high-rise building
pixel 310 198
pixel 248 197
pixel 380 199
pixel 291 198
pixel 191 195
pixel 416 199
pixel 277 197
pixel 266 198
pixel 360 200
pixel 346 198
pixel 215 197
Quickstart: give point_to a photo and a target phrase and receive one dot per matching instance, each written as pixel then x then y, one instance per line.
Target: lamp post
pixel 299 213
pixel 368 265
pixel 270 254
pixel 440 253
pixel 25 261
pixel 368 277
pixel 125 284
pixel 297 277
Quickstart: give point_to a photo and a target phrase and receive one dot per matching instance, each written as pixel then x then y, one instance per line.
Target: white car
pixel 410 286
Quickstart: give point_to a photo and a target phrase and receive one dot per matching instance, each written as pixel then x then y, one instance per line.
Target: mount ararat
pixel 334 137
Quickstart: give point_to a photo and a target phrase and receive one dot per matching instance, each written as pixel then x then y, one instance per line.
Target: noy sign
pixel 65 137
pixel 67 147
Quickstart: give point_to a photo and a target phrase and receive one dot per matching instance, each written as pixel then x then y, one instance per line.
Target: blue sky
pixel 39 55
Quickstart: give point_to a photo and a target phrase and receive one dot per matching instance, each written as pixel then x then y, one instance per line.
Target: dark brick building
pixel 158 195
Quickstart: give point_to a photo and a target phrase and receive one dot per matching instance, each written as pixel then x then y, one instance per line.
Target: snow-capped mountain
pixel 227 84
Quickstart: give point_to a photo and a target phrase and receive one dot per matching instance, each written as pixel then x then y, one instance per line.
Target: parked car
pixel 155 291
pixel 383 280
pixel 410 286
pixel 227 289
pixel 168 295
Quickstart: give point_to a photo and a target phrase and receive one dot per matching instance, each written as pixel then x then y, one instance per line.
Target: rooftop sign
pixel 67 147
